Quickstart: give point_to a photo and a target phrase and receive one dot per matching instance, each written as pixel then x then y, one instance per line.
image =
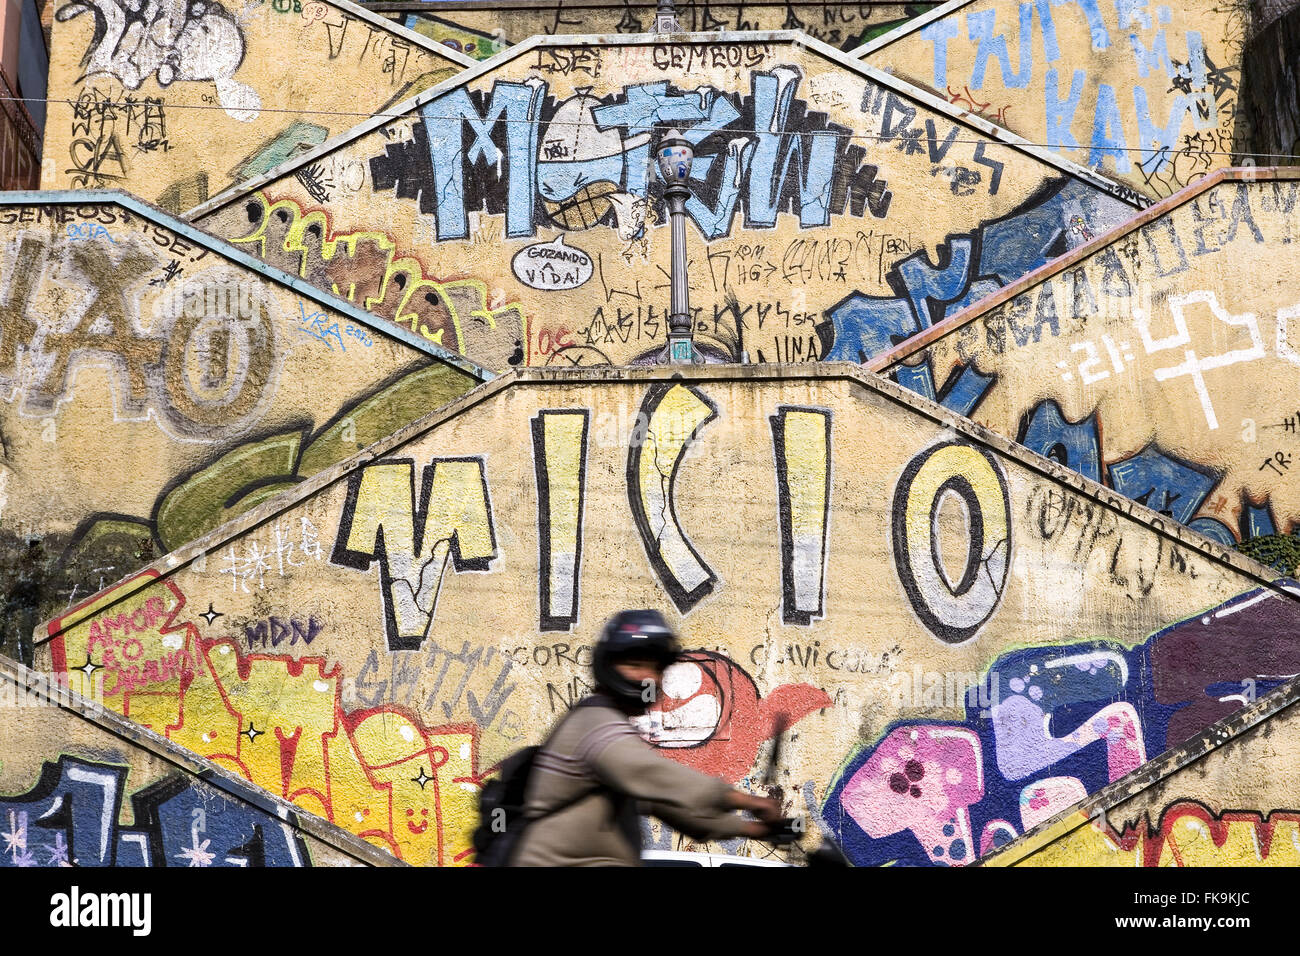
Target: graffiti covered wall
pixel 832 548
pixel 480 31
pixel 88 790
pixel 1146 92
pixel 1162 360
pixel 1026 731
pixel 1219 810
pixel 824 203
pixel 176 101
pixel 154 385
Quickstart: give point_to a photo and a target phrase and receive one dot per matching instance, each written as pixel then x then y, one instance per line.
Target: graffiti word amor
pixel 121 642
pixel 278 721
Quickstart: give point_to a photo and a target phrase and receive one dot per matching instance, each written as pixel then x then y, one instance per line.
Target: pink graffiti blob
pixel 1043 800
pixel 922 779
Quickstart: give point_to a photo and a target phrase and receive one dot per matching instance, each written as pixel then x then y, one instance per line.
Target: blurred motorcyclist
pixel 595 776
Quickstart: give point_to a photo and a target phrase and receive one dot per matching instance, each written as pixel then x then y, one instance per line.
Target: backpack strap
pixel 591 701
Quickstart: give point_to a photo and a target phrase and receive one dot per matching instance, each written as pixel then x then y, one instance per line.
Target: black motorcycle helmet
pixel 632 634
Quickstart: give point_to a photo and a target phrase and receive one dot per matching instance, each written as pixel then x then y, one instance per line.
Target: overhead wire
pixel 876 137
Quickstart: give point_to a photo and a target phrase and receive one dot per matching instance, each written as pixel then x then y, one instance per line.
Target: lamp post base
pixel 680 351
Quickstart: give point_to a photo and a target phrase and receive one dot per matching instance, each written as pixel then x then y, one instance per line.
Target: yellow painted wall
pixel 1147 92
pixel 821 199
pixel 1164 362
pixel 154 388
pixel 178 101
pixel 782 521
pixel 1225 809
pixel 74 791
pixel 480 31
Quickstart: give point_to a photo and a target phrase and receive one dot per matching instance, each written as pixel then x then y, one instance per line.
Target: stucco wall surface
pixel 479 29
pixel 176 101
pixel 1147 92
pixel 1161 359
pixel 832 547
pixel 825 203
pixel 80 787
pixel 156 383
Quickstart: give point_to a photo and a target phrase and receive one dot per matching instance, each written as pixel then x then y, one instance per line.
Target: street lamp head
pixel 675 157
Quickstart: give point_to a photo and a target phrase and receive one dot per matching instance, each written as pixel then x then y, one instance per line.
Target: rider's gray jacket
pixel 601 775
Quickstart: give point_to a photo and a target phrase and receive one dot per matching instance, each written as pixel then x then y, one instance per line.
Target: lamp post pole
pixel 675 157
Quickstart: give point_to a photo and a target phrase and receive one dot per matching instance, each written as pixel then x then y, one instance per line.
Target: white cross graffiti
pixel 1193 365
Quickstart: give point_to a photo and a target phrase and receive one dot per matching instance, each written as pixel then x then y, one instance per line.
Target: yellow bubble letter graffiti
pixel 952 611
pixel 801 441
pixel 670 416
pixel 379 519
pixel 560 458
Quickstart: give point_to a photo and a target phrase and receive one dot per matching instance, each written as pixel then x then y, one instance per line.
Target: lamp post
pixel 675 156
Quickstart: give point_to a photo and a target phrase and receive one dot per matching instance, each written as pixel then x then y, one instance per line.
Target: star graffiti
pixel 16 838
pixel 422 779
pixel 210 615
pixel 252 733
pixel 59 852
pixel 198 854
pixel 89 667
